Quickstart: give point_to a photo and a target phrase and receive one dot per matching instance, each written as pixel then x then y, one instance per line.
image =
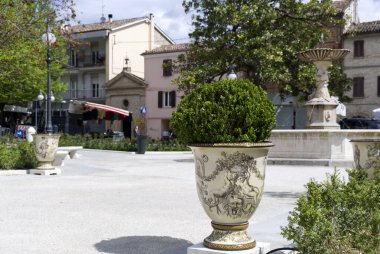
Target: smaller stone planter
pixel 46 146
pixel 366 154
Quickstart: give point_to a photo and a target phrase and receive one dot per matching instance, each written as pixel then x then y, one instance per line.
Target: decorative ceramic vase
pixel 230 181
pixel 46 146
pixel 366 154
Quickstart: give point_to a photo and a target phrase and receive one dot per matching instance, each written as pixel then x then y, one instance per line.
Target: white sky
pixel 170 15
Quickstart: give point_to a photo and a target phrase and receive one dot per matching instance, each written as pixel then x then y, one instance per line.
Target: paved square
pixel 117 202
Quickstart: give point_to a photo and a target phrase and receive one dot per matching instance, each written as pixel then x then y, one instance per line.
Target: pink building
pixel 161 95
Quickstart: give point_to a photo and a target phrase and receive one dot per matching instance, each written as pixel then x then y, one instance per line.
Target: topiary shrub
pixel 338 217
pixel 227 111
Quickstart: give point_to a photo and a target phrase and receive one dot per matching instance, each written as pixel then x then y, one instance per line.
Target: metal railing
pixel 84 94
pixel 88 61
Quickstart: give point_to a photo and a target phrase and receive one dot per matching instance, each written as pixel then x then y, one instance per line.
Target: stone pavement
pixel 124 203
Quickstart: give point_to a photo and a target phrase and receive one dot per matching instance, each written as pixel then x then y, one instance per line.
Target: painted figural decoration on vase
pixel 238 196
pixel 230 183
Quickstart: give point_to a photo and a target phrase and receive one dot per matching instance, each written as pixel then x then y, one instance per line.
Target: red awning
pixel 107 108
pixel 77 107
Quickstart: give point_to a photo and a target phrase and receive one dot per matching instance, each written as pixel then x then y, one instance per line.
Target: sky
pixel 170 15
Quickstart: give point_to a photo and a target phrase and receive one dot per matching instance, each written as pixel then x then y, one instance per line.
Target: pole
pixel 49 126
pixel 36 113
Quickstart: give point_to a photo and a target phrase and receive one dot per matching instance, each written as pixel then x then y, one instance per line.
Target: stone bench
pixel 72 150
pixel 59 157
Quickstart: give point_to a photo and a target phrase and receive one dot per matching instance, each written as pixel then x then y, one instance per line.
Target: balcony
pixel 87 61
pixel 84 94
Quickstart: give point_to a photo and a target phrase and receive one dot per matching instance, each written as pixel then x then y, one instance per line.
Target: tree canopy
pixel 23 69
pixel 260 39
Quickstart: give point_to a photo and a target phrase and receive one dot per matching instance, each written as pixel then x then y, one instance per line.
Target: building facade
pixel 363 66
pixel 161 94
pixel 102 50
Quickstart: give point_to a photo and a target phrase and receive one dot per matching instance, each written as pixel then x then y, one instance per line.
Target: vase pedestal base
pixel 229 237
pixel 199 248
pixel 45 172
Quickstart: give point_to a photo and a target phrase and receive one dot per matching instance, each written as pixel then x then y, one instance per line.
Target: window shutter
pixel 167 67
pixel 172 99
pixel 358 87
pixel 160 99
pixel 359 48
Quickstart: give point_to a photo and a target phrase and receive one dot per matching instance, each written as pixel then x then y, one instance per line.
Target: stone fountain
pixel 323 142
pixel 321 111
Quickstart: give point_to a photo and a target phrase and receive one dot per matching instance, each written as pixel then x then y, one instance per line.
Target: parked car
pixel 359 123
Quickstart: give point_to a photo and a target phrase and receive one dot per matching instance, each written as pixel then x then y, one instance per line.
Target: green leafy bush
pixel 224 111
pixel 17 154
pixel 125 144
pixel 338 217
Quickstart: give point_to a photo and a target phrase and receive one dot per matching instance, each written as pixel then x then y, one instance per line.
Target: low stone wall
pixel 331 146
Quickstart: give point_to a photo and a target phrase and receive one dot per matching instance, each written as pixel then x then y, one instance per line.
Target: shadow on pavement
pixel 282 194
pixel 144 245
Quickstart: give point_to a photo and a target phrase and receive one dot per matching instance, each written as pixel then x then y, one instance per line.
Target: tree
pixel 259 39
pixel 23 68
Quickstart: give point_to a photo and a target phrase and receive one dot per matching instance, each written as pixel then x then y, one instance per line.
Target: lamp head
pixel 48 38
pixel 40 97
pixel 232 75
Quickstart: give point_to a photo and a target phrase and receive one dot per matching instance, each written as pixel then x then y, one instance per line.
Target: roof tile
pixel 103 26
pixel 365 27
pixel 168 49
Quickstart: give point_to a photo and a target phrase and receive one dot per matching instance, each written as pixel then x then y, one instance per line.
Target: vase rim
pixel 234 145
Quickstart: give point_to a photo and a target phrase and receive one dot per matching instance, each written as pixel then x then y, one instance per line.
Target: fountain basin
pixel 316 147
pixel 322 54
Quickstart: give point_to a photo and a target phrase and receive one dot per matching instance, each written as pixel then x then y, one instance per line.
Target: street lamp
pixel 231 74
pixel 48 38
pixel 43 96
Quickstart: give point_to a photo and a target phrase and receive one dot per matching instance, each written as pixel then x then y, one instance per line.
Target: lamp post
pixel 42 95
pixel 48 38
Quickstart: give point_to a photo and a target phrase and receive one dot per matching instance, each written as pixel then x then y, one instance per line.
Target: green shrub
pixel 337 217
pixel 224 111
pixel 17 154
pixel 125 144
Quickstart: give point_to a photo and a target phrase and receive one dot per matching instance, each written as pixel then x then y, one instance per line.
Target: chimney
pixel 110 18
pixel 151 31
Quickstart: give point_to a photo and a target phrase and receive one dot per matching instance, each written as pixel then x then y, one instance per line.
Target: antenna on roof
pixel 103 19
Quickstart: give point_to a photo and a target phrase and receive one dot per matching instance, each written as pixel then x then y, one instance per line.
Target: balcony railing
pixel 84 94
pixel 88 61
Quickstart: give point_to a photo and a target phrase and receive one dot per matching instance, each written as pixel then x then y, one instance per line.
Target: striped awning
pixel 107 108
pixel 78 107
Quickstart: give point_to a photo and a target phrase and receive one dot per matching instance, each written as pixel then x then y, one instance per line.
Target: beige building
pixel 100 53
pixel 363 66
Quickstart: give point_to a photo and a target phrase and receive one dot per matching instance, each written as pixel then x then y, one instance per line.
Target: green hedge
pixel 16 154
pixel 125 144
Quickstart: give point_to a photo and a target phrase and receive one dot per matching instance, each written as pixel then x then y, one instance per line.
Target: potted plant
pixel 366 154
pixel 46 146
pixel 226 124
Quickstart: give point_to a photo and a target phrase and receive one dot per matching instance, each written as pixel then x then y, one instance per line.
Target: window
pixel 73 58
pixel 94 86
pixel 95 57
pixel 166 99
pixel 95 90
pixel 73 87
pixel 358 87
pixel 359 48
pixel 378 86
pixel 167 67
